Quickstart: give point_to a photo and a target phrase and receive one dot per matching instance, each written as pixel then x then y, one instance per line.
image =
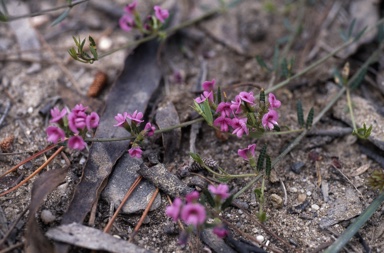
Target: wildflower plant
pixel 196 215
pixel 71 126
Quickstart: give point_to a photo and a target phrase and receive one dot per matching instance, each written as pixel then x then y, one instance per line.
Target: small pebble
pixel 30 110
pixel 47 216
pixel 260 238
pixel 315 207
pixel 82 161
pixel 277 201
pixel 309 193
pixel 293 189
pixel 301 198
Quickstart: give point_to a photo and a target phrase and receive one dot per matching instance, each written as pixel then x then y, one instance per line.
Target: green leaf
pixel 363 132
pixel 258 193
pixel 276 128
pixel 300 113
pixel 227 202
pixel 268 165
pixel 209 197
pixel 218 96
pixel 256 134
pixel 262 216
pixel 207 112
pixel 197 108
pixel 360 77
pixel 196 158
pixel 61 17
pixel 358 36
pixel 94 52
pixel 262 63
pixel 310 118
pixel 260 160
pixel 284 68
pixel 262 96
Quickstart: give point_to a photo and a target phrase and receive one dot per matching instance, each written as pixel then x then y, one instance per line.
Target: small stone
pixel 315 207
pixel 30 110
pixel 301 198
pixel 47 216
pixel 309 193
pixel 82 161
pixel 277 201
pixel 273 178
pixel 260 238
pixel 293 189
pixel 296 167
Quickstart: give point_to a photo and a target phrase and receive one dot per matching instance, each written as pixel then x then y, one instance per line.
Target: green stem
pixel 249 185
pixel 12 18
pixel 353 228
pixel 156 132
pixel 351 109
pixel 262 200
pixel 285 132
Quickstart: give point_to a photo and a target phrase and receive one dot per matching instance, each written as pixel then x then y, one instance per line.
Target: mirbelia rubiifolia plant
pixel 244 116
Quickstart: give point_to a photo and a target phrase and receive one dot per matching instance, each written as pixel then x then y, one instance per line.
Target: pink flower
pixel 220 231
pixel 135 117
pixel 193 214
pixel 223 122
pixel 135 152
pixel 79 108
pixel 126 23
pixel 121 119
pixel 161 14
pixel 209 85
pixel 55 134
pixel 247 97
pixel 130 8
pixel 92 120
pixel 273 102
pixel 173 211
pixel 247 153
pixel 57 115
pixel 224 108
pixel 270 119
pixel 76 121
pixel 192 197
pixel 236 105
pixel 204 97
pixel 76 142
pixel 240 126
pixel 220 191
pixel 150 130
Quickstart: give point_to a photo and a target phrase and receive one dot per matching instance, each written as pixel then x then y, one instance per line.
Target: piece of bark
pixel 132 91
pixel 92 238
pixel 123 176
pixel 215 243
pixel 35 241
pixel 167 116
pixel 164 180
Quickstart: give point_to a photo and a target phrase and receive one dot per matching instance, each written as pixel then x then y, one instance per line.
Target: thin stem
pixel 285 132
pixel 351 109
pixel 12 18
pixel 156 132
pixel 247 186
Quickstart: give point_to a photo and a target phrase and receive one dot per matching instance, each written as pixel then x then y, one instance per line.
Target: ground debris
pixel 91 238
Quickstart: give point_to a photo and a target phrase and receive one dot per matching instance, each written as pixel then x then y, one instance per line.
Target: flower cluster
pixel 194 214
pixel 131 19
pixel 243 114
pixel 73 126
pixel 132 126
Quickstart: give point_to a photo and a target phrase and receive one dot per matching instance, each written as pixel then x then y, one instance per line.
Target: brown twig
pixel 28 159
pixel 14 246
pixel 144 215
pixel 34 173
pixel 129 192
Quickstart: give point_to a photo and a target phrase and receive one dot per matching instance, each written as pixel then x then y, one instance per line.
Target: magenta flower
pixel 240 126
pixel 273 102
pixel 236 105
pixel 224 108
pixel 55 134
pixel 221 191
pixel 193 214
pixel 79 108
pixel 76 142
pixel 220 231
pixel 223 122
pixel 270 119
pixel 192 197
pixel 247 153
pixel 173 211
pixel 57 115
pixel 209 85
pixel 130 8
pixel 76 121
pixel 135 152
pixel 92 121
pixel 247 97
pixel 161 14
pixel 206 95
pixel 150 130
pixel 121 119
pixel 135 117
pixel 126 23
